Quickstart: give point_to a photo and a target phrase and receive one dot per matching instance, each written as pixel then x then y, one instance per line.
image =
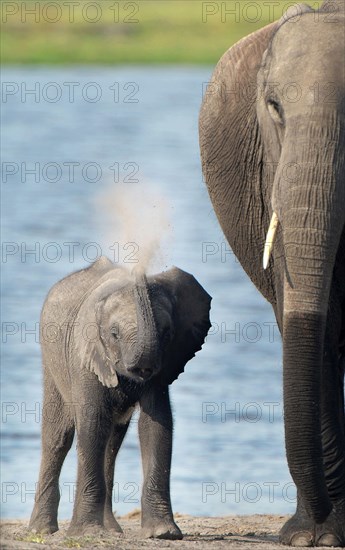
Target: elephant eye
pixel 275 110
pixel 115 332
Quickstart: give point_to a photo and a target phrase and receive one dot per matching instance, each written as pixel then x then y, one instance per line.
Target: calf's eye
pixel 115 332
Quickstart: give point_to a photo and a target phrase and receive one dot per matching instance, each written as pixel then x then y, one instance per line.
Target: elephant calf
pixel 110 340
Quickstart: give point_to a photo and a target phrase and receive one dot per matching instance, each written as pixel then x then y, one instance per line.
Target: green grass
pixel 69 542
pixel 166 31
pixel 33 537
pixel 82 542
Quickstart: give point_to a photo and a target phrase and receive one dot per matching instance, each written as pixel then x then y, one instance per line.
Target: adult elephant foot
pixel 297 531
pixel 161 530
pixel 332 531
pixel 300 530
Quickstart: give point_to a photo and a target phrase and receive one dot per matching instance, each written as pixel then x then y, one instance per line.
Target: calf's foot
pixel 110 523
pixel 42 522
pixel 83 529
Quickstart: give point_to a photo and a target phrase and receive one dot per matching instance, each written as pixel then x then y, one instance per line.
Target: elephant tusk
pixel 271 235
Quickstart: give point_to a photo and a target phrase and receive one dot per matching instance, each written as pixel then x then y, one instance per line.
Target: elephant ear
pixel 232 152
pixel 237 172
pixel 191 307
pixel 89 333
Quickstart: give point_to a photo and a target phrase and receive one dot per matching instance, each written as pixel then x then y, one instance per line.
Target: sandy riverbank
pixel 199 533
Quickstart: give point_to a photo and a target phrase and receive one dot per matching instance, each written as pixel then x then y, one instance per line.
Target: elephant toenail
pixel 328 540
pixel 302 539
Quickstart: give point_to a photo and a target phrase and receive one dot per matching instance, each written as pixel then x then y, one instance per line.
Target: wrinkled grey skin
pixel 272 137
pixel 122 340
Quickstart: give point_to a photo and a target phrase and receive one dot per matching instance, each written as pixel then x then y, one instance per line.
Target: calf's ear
pixel 191 307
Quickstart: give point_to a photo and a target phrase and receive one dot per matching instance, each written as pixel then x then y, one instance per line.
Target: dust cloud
pixel 136 219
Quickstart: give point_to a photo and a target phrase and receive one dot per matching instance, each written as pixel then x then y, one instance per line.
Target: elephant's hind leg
pixel 113 446
pixel 57 438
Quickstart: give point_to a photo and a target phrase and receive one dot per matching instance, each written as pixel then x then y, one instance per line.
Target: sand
pixel 257 531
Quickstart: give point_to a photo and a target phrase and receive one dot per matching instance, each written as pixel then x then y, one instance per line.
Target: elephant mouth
pixel 141 374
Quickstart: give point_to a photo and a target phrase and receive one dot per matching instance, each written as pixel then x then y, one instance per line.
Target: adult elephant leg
pixel 114 444
pixel 57 438
pixel 332 531
pixel 93 425
pixel 301 530
pixel 155 434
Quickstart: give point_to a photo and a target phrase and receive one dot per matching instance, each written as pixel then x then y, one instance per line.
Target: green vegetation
pixel 70 542
pixel 82 542
pixel 33 537
pixel 143 31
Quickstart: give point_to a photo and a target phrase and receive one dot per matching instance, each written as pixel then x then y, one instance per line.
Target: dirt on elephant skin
pixel 199 533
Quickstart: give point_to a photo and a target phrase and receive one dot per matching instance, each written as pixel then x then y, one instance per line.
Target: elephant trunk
pixel 144 357
pixel 311 211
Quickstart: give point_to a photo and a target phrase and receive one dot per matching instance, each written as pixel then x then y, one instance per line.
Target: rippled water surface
pixel 133 124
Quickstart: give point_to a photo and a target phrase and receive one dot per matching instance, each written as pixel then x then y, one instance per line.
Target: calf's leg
pixel 113 447
pixel 155 434
pixel 57 438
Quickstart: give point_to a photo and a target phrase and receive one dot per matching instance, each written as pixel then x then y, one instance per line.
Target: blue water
pixel 228 454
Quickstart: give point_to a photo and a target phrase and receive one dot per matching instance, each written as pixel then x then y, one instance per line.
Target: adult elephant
pixel 272 137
